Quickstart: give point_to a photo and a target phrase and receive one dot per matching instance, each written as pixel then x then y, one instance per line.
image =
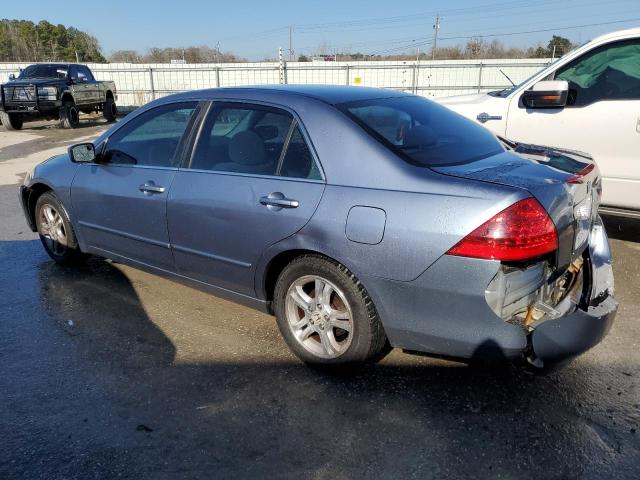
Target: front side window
pixel 84 74
pixel 422 132
pixel 610 72
pixel 152 138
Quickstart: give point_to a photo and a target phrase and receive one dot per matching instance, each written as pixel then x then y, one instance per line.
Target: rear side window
pixel 253 139
pixel 422 132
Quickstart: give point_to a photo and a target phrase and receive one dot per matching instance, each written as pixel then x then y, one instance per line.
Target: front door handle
pixel 151 187
pixel 277 200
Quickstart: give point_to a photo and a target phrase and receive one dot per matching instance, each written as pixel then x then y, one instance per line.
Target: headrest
pixel 247 148
pixel 267 132
pixel 420 135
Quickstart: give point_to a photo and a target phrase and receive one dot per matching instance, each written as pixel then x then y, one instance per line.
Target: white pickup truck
pixel 588 100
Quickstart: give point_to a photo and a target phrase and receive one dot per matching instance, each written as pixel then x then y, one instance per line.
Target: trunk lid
pixel 566 183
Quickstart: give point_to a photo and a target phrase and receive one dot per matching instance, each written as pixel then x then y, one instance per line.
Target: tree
pixel 24 41
pixel 303 58
pixel 559 46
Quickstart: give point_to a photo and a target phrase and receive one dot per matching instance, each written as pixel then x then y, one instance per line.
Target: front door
pixel 120 202
pixel 602 117
pixel 252 181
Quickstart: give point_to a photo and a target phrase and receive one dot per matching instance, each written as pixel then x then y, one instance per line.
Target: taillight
pixel 522 231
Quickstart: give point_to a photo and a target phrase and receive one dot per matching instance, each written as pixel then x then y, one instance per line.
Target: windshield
pixel 423 132
pixel 44 71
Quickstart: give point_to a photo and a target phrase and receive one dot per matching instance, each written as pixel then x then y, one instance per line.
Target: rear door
pixel 120 203
pixel 602 117
pixel 252 180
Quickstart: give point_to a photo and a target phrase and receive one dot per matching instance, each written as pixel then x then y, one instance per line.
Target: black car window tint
pixel 610 72
pixel 298 162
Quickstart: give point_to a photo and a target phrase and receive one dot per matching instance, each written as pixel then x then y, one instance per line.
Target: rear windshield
pixel 423 132
pixel 44 71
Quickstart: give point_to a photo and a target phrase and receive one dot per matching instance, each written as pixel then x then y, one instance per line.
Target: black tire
pixel 11 121
pixel 69 115
pixel 109 110
pixel 66 251
pixel 368 342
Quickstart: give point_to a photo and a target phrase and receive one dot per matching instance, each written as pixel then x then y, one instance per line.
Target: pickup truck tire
pixel 109 110
pixel 69 115
pixel 11 121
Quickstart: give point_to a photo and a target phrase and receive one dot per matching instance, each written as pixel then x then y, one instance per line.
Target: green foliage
pixel 25 41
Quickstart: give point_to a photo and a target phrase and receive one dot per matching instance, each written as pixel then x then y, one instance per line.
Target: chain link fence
pixel 138 84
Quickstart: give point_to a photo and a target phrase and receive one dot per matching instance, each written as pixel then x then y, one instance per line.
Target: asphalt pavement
pixel 109 372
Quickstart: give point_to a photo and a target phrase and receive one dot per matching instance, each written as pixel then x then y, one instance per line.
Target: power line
pixel 506 34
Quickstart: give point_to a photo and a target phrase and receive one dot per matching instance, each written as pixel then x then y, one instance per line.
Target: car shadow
pixel 101 384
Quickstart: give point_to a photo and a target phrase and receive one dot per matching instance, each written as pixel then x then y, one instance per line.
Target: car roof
pixel 331 94
pixel 619 34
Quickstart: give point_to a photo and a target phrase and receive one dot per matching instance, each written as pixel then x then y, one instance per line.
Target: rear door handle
pixel 151 187
pixel 278 200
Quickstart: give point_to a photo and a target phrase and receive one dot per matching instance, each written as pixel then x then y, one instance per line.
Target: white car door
pixel 602 117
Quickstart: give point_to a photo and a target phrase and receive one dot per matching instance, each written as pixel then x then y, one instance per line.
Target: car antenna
pixel 507 77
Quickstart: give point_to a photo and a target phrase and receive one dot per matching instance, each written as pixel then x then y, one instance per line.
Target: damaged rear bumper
pixel 559 340
pixel 445 311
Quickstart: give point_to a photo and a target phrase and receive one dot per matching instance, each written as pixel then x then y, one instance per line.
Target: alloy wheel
pixel 319 316
pixel 51 227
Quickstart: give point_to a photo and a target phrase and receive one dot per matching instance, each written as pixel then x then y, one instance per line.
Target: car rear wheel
pixel 325 314
pixel 55 230
pixel 11 121
pixel 69 115
pixel 109 110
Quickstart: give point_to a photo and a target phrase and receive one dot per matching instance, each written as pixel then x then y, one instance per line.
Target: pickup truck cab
pixel 55 91
pixel 588 100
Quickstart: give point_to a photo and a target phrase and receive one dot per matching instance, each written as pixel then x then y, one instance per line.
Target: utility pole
pixel 290 43
pixel 434 47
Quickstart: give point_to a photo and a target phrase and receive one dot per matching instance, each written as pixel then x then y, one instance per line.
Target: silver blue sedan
pixel 363 219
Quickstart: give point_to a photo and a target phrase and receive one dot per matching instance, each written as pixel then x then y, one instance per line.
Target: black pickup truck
pixel 55 91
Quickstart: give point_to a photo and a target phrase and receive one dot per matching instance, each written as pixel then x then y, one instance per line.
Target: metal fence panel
pixel 138 84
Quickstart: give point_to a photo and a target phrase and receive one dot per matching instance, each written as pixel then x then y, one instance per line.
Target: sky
pixel 255 29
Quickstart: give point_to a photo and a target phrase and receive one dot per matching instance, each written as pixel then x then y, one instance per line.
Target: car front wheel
pixel 55 230
pixel 325 315
pixel 69 115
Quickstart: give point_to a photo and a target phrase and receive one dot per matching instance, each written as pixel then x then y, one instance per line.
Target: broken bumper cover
pixel 444 312
pixel 564 338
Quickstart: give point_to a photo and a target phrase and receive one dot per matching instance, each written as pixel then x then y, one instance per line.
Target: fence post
pixel 217 76
pixel 347 75
pixel 414 80
pixel 282 67
pixel 153 90
pixel 480 78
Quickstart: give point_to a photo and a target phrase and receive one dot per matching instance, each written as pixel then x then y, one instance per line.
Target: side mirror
pixel 82 153
pixel 546 94
pixel 12 76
